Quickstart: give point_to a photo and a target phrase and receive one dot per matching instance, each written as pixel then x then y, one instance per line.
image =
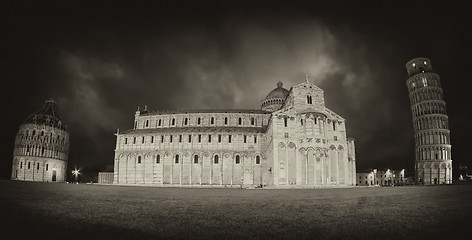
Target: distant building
pixel 105 177
pixel 41 147
pixel 433 164
pixel 382 177
pixel 292 141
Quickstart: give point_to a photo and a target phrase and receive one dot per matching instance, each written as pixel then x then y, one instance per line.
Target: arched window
pixel 126 140
pixel 158 159
pixel 258 160
pixel 147 123
pixel 253 121
pixel 173 121
pixel 199 120
pixel 212 120
pixel 139 159
pixel 177 158
pixel 42 133
pixel 226 120
pixel 185 121
pixel 34 132
pixel 237 159
pixel 195 159
pixel 159 122
pixel 216 159
pixel 240 121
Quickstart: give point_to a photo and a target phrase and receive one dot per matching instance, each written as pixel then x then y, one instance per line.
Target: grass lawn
pixel 80 211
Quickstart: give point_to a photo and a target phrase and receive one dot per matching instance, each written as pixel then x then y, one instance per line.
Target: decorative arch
pixel 302 150
pixel 318 152
pixel 310 148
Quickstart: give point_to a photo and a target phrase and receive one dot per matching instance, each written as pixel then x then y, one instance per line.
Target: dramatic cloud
pixel 198 68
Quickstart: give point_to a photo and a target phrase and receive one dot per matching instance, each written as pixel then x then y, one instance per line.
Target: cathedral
pixel 41 147
pixel 292 141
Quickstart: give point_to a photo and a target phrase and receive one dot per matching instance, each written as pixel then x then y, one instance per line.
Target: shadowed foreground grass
pixel 80 211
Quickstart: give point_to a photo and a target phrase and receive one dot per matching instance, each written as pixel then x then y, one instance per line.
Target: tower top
pixel 418 65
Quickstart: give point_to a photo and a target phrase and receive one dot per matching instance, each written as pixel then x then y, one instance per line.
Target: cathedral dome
pixel 47 115
pixel 278 92
pixel 275 98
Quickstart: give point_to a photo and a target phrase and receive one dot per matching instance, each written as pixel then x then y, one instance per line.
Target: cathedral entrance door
pixel 247 178
pixel 54 175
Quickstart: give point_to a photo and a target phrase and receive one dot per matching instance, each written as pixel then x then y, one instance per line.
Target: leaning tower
pixel 41 147
pixel 433 163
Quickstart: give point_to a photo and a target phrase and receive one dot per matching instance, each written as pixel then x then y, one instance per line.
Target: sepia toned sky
pixel 100 61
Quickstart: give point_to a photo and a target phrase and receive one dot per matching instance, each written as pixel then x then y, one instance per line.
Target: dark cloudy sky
pixel 101 61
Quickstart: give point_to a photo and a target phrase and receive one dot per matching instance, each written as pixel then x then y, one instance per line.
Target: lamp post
pixel 375 173
pixel 76 174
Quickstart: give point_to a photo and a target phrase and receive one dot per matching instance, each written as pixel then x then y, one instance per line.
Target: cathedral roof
pixel 195 129
pixel 47 115
pixel 185 111
pixel 277 93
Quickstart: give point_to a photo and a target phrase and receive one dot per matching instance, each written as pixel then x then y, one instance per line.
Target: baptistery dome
pixel 275 98
pixel 47 115
pixel 41 146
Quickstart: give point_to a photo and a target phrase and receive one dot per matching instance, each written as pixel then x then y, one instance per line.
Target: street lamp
pixel 76 174
pixel 375 173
